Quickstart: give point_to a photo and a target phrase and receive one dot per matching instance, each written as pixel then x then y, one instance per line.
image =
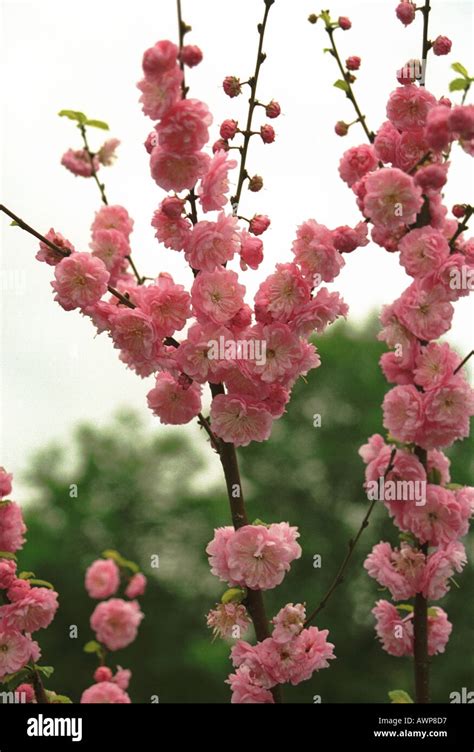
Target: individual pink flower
pixel 111 247
pixel 122 677
pixel 272 109
pixel 259 556
pixel 102 578
pixel 191 55
pixel 410 148
pixel 105 693
pixel 210 244
pixel 183 128
pixel 403 412
pixel 228 129
pixel 408 107
pixel 399 571
pixel 26 692
pixel 447 412
pixel 81 280
pixel 16 650
pixel 392 198
pixel 229 620
pixel 259 224
pixel 438 462
pixel 237 420
pixel 160 93
pixel 215 183
pixel 251 251
pixel 372 449
pixel 353 63
pixel 116 622
pixel 7 573
pixel 316 253
pixel 438 132
pixel 395 633
pixel 217 296
pixel 17 590
pixel 36 610
pixel 12 527
pixel 435 365
pixel 232 86
pixel 133 333
pixel 267 134
pixel 177 171
pixel 357 162
pixel 159 58
pixel 344 23
pixel 437 522
pixel 102 674
pixel 80 163
pixel 113 217
pixel 136 586
pixel 341 128
pixel 173 402
pixel 245 690
pixel 194 355
pixel 5 483
pixel 323 309
pixel 173 232
pixel 217 552
pixel 406 12
pixel 106 153
pixel 440 567
pixel 282 354
pixel 347 239
pixel 423 249
pixel 386 142
pixel 439 630
pixel 432 177
pixel 289 622
pixel 461 121
pixel 47 254
pixel 167 304
pixel 425 310
pixel 442 45
pixel 281 294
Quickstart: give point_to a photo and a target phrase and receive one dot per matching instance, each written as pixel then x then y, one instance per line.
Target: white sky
pixel 56 55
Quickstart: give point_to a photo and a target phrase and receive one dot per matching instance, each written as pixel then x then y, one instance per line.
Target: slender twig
pixel 253 81
pixel 349 92
pixel 352 544
pixel 463 362
pixel 40 694
pixel 426 44
pixel 91 154
pixel 462 226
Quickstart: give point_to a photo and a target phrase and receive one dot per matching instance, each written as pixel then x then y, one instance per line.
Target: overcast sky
pixel 86 56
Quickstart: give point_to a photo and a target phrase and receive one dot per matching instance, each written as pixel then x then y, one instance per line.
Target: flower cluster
pixel 115 622
pixel 257 557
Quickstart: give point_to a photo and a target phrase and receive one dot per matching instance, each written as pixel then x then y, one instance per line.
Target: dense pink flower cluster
pixel 26 608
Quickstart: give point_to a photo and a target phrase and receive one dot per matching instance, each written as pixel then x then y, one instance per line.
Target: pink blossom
pixel 392 198
pixel 191 55
pixel 217 296
pixel 160 58
pixel 184 127
pixel 79 162
pixel 160 93
pixel 341 128
pixel 172 402
pixel 423 249
pixel 113 217
pixel 228 129
pixel 192 355
pixel 210 244
pixel 315 252
pixel 173 232
pixel 432 177
pixel 323 309
pixel 168 305
pixel 408 107
pixel 347 239
pixel 425 310
pixel 116 622
pixel 259 556
pixel 220 145
pixel 410 148
pixel 34 611
pixel 440 567
pixel 246 691
pixel 229 620
pixel 102 674
pixel 272 109
pixel 357 162
pixel 442 45
pixel 344 23
pixel 111 247
pixel 17 590
pixel 106 153
pixel 217 552
pixel 251 251
pixel 102 578
pixel 405 12
pixel 438 131
pixel 283 351
pixel 372 449
pixel 437 461
pixel 5 483
pixel 12 527
pixel 461 121
pixel 282 293
pixel 122 677
pixel 395 633
pixel 447 412
pixel 237 420
pixel 259 224
pixel 399 571
pixel 439 630
pixel 232 86
pixel 26 691
pixel 105 693
pixel 81 280
pixel 353 63
pixel 402 412
pixel 47 254
pixel 16 650
pixel 267 134
pixel 136 585
pixel 7 573
pixel 176 171
pixel 439 521
pixel 386 142
pixel 215 183
pixel 435 365
pixel 288 623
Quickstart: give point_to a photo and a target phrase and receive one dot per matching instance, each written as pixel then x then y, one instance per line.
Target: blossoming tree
pixel 250 356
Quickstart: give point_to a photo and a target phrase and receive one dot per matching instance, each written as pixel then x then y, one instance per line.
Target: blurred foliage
pixel 143 494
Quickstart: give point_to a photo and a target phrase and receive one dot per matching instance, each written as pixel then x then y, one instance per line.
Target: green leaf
pixel 258 521
pixel 340 84
pixel 56 699
pixel 459 84
pixel 46 671
pixel 73 115
pixel 7 555
pixel 17 677
pixel 13 223
pixel 328 49
pixel 26 575
pixel 460 69
pixel 433 611
pixel 120 560
pixel 399 696
pixel 97 124
pixel 454 486
pixel 325 16
pixel 405 607
pixel 92 647
pixel 234 595
pixel 41 583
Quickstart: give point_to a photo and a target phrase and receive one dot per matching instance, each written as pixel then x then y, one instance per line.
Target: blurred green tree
pixel 144 495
